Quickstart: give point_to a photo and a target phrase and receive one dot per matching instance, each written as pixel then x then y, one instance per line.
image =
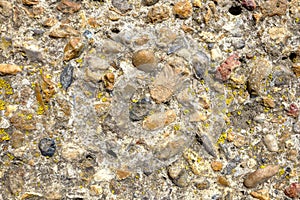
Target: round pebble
pixel 144 60
pixel 271 143
pixel 47 147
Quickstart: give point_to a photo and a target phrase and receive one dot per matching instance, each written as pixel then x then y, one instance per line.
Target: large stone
pixel 261 175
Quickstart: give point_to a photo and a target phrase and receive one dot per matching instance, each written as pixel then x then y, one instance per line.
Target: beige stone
pixel 183 9
pixel 9 69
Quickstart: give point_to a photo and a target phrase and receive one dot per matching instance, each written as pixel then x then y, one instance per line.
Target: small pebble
pixel 216 166
pixel 122 6
pixel 293 191
pixel 149 2
pixel 261 175
pixel 223 181
pixel 271 143
pixel 66 6
pixel 47 147
pixel 144 60
pixel 183 9
pixel 249 4
pixel 202 185
pixel 88 34
pixel 261 194
pixel 73 49
pixel 66 77
pixel 158 14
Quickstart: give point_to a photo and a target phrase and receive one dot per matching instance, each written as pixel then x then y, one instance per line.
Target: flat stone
pixel 122 6
pixel 68 7
pixel 9 69
pixel 261 194
pixel 71 152
pixel 62 31
pixel 159 120
pixel 30 2
pixel 260 175
pixel 183 9
pixel 122 174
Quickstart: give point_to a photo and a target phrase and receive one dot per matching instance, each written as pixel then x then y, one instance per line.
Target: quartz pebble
pixel 260 175
pixel 271 143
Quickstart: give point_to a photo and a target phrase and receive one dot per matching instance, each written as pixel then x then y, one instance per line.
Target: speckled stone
pixel 158 14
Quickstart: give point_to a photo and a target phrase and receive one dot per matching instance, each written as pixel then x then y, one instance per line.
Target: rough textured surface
pixel 211 102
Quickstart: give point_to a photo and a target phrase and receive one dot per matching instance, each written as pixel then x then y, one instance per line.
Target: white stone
pixel 104 174
pixel 271 143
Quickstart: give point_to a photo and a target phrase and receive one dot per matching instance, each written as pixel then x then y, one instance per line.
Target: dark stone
pixel 66 76
pixel 200 63
pixel 235 10
pixel 47 147
pixel 149 2
pixel 139 110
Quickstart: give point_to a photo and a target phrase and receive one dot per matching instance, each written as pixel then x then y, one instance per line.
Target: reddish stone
pixel 293 110
pixel 249 4
pixel 225 69
pixel 293 190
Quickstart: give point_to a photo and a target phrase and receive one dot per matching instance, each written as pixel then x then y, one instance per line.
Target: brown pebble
pixel 159 120
pixel 223 181
pixel 261 175
pixel 30 2
pixel 216 165
pixel 73 49
pixel 9 69
pixel 50 22
pixel 66 6
pixel 296 69
pixel 158 14
pixel 261 194
pixel 293 191
pixel 144 60
pixel 183 9
pixel 122 174
pixel 268 102
pixel 63 31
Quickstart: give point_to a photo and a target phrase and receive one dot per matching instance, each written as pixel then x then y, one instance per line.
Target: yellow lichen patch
pixel 2 105
pixel 222 138
pixel 5 87
pixel 4 135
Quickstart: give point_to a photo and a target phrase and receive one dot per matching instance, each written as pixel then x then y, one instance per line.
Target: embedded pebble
pixel 47 147
pixel 296 69
pixel 225 69
pixel 68 7
pixel 293 191
pixel 261 194
pixel 72 152
pixel 73 49
pixel 159 120
pixel 178 174
pixel 158 14
pixel 271 143
pixel 149 2
pixel 216 165
pixel 183 9
pixel 144 60
pixel 249 4
pixel 122 6
pixel 223 181
pixel 9 69
pixel 202 184
pixel 30 2
pixel 260 70
pixel 66 77
pixel 260 175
